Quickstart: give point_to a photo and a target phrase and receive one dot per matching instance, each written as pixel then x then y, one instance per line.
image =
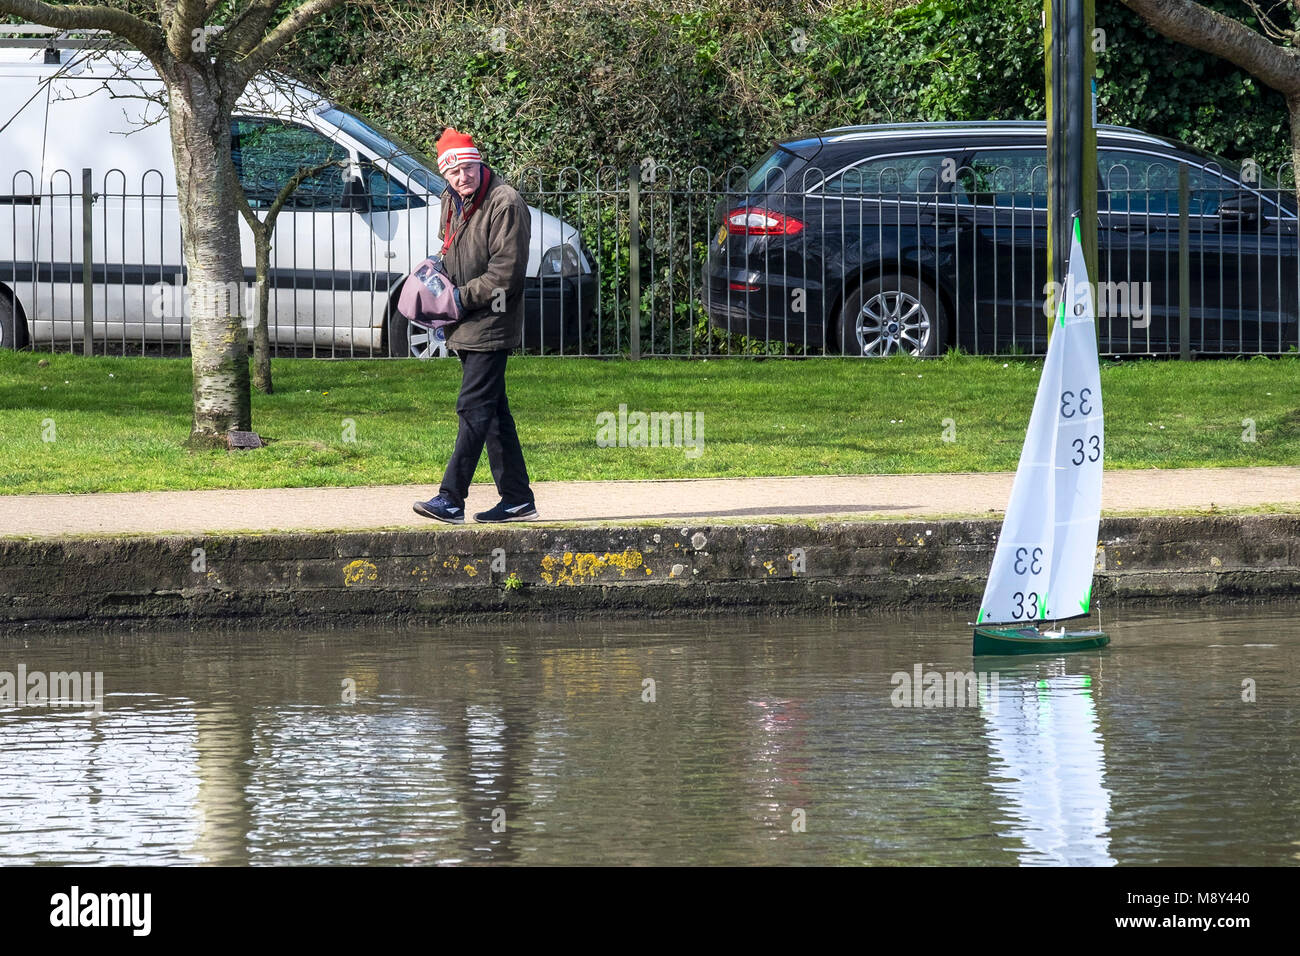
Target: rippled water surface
pixel 775 741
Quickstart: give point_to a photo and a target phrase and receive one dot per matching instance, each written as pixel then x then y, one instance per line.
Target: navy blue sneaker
pixel 441 509
pixel 503 512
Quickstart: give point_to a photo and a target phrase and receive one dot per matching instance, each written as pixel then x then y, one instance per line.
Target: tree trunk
pixel 218 340
pixel 1293 108
pixel 261 334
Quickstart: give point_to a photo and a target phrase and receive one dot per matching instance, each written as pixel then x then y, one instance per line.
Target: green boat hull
pixel 1029 640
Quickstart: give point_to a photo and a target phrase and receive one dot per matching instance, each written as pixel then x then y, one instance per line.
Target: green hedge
pixel 712 83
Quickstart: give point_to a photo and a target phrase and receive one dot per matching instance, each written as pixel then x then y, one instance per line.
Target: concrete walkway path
pixel 731 500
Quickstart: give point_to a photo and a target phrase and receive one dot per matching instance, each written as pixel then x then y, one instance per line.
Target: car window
pixel 268 154
pixel 385 192
pixel 1142 183
pixel 891 175
pixel 767 172
pixel 784 159
pixel 1004 177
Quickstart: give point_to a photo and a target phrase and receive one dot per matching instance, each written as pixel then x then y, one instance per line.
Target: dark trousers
pixel 485 420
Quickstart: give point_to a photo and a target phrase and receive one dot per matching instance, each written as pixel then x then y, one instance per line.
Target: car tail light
pixel 756 221
pixel 741 287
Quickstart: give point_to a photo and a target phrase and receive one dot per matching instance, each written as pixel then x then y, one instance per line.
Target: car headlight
pixel 561 260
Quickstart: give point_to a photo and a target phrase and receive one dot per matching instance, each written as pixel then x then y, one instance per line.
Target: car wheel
pixel 408 340
pixel 13 330
pixel 891 314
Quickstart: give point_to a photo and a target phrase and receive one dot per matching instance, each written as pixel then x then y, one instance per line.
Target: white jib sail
pixel 1043 565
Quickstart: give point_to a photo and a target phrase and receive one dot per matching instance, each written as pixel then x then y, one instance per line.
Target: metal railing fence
pixel 665 263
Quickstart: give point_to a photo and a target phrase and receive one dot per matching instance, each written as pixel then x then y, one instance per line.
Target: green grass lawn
pixel 112 424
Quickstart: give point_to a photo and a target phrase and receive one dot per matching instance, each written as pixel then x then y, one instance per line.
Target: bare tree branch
pixel 286 191
pixel 180 32
pixel 248 27
pixel 262 54
pixel 66 69
pixel 1271 29
pixel 146 37
pixel 1188 22
pixel 280 95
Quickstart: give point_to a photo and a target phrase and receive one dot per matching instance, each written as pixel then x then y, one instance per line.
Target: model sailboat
pixel 1042 568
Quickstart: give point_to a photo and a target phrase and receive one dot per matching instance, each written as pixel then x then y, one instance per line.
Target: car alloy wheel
pixel 889 315
pixel 892 322
pixel 425 343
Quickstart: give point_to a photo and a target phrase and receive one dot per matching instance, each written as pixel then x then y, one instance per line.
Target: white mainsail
pixel 1043 565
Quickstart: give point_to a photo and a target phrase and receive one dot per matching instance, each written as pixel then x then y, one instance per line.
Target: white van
pixel 342 244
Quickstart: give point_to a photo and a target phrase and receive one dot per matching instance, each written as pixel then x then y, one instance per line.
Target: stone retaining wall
pixel 323 580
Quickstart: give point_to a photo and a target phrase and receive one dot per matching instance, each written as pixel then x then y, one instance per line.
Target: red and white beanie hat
pixel 455 148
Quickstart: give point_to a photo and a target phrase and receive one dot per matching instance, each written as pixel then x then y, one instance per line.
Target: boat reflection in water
pixel 1048 766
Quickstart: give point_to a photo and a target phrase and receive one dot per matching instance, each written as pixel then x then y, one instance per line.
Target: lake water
pixel 773 741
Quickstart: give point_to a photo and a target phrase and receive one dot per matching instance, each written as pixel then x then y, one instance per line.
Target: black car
pixel 916 237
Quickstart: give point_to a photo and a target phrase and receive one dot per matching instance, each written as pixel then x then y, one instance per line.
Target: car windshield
pixel 388 148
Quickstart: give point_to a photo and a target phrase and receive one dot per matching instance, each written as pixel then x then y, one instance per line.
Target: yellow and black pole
pixel 1070 50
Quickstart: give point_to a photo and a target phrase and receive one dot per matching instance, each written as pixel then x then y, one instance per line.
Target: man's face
pixel 464 178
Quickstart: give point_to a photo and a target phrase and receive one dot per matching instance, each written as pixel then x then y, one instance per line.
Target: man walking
pixel 485 233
